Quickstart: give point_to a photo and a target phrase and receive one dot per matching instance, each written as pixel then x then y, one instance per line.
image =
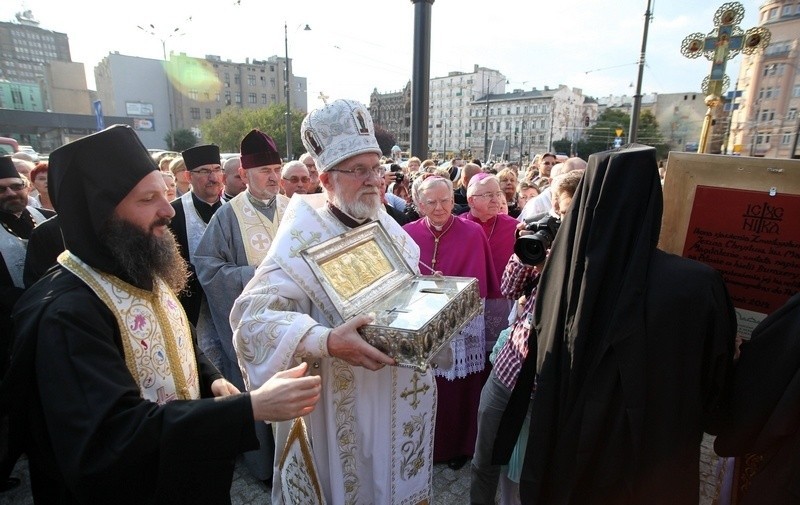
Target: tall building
pixel 392 112
pixel 193 90
pixel 25 49
pixel 766 122
pixel 450 125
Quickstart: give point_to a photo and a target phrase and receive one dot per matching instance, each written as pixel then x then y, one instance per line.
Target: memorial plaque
pixel 740 216
pixel 415 316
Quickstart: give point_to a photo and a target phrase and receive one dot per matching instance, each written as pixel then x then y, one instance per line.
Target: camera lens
pixel 531 249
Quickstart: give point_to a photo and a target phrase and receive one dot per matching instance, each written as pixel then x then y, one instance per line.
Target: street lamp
pixel 173 33
pixel 287 89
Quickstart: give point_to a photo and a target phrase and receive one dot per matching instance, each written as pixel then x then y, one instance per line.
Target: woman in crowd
pixel 39 182
pixel 508 185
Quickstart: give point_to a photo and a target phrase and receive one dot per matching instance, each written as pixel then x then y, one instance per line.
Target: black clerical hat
pixel 88 178
pixel 198 156
pixel 7 168
pixel 258 149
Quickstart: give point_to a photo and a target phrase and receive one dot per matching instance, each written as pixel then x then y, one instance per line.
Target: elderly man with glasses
pixel 371 440
pixel 295 178
pixel 313 185
pixel 193 210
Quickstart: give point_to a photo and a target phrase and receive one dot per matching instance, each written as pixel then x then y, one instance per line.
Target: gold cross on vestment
pixel 414 391
pixel 322 96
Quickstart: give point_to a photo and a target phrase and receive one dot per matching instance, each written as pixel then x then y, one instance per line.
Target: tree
pixel 600 137
pixel 228 129
pixel 180 140
pixel 561 146
pixel 386 140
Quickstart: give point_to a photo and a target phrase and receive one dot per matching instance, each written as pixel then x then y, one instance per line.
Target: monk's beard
pixel 144 256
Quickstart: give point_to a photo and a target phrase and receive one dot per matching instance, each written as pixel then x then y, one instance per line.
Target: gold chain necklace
pixel 437 238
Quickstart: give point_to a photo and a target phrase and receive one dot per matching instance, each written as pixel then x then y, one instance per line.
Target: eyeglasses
pixel 363 173
pixel 206 171
pixel 444 202
pixel 18 186
pixel 490 196
pixel 295 179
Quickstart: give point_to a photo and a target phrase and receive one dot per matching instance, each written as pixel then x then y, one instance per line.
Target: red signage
pixel 752 239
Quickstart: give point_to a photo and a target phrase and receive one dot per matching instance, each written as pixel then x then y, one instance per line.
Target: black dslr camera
pixel 398 172
pixel 532 249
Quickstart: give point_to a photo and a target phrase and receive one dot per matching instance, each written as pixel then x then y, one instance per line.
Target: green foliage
pixel 600 137
pixel 561 146
pixel 180 140
pixel 386 140
pixel 228 129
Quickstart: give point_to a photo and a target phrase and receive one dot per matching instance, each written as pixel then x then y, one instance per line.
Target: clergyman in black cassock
pixel 632 347
pixel 762 415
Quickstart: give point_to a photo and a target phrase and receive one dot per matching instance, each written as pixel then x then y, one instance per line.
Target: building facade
pixel 185 91
pixel 392 112
pixel 521 124
pixel 766 122
pixel 451 98
pixel 25 49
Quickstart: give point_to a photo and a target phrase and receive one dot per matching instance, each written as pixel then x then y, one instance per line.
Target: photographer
pixel 518 283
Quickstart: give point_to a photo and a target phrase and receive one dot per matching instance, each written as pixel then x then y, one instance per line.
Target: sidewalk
pixel 450 487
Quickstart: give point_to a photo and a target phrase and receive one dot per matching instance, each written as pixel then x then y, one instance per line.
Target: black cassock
pixel 633 349
pixel 763 409
pixel 192 296
pixel 89 436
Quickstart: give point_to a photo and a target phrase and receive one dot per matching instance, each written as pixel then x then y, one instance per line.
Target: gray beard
pixel 144 256
pixel 358 209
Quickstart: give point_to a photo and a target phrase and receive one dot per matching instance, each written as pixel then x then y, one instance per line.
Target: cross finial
pixel 322 96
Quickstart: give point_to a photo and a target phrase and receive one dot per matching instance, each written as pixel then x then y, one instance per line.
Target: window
pixel 792 114
pixel 786 138
pixel 195 112
pixel 208 113
pixel 251 80
pixel 263 98
pixel 238 97
pixel 796 90
pixel 193 94
pixel 236 79
pixel 787 10
pixel 227 98
pixel 773 13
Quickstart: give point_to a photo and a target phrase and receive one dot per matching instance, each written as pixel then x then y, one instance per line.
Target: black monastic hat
pixel 198 156
pixel 88 178
pixel 7 168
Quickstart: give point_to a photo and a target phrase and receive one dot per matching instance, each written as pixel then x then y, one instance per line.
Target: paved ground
pixel 450 487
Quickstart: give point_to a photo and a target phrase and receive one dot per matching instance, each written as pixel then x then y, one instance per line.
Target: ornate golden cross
pixel 322 96
pixel 721 44
pixel 415 390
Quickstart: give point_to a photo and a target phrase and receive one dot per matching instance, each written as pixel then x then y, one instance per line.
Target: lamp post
pixel 287 90
pixel 173 33
pixel 486 126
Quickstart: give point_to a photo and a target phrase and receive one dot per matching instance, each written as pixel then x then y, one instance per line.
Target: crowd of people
pixel 164 322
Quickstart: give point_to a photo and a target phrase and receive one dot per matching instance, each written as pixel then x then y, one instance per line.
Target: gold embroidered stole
pixel 155 333
pixel 256 229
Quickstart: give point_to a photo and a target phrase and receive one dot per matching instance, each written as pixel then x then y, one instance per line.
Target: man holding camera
pixel 518 283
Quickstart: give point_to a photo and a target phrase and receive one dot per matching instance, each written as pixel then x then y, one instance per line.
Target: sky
pixel 357 45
